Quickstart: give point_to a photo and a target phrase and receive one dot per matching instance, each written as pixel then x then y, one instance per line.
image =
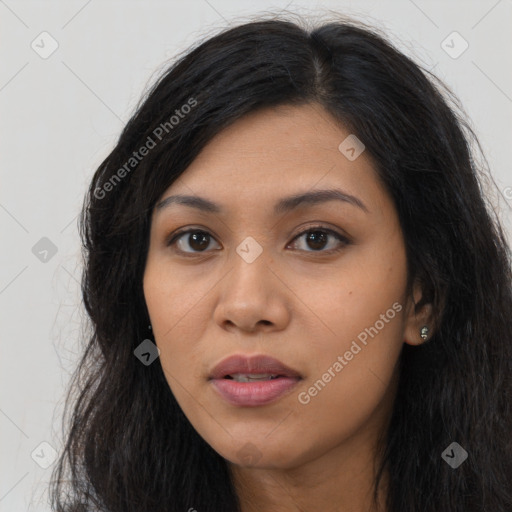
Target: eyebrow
pixel 284 205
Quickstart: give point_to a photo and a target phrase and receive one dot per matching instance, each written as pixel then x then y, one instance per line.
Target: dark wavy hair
pixel 128 445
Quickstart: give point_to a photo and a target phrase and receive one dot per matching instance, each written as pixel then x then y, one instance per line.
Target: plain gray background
pixel 61 114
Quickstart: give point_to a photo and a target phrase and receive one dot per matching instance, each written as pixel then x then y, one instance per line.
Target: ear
pixel 417 318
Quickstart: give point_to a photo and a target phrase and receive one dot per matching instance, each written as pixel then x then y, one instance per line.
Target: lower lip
pixel 252 394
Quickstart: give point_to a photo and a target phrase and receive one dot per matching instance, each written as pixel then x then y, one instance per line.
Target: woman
pixel 300 299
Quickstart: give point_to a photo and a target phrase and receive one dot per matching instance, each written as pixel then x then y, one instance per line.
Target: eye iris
pixel 201 238
pixel 318 238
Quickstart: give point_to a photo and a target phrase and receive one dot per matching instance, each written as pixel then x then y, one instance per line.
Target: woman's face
pixel 318 284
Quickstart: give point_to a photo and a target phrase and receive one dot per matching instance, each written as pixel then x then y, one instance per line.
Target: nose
pixel 253 298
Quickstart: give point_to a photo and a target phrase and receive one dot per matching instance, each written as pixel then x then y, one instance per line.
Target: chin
pixel 247 454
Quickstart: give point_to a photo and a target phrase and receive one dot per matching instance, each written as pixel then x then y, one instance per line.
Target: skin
pixel 297 302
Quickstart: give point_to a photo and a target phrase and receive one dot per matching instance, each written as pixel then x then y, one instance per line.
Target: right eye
pixel 197 239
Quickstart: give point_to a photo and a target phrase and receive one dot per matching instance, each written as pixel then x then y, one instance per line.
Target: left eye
pixel 316 237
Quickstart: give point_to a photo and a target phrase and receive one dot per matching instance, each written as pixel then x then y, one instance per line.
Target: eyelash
pixel 172 239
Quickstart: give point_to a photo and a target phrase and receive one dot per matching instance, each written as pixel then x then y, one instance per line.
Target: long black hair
pixel 129 447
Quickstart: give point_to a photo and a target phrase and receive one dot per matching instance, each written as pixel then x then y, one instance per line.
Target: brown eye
pixel 317 238
pixel 196 240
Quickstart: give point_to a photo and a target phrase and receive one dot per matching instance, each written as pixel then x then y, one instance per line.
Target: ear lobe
pixel 417 320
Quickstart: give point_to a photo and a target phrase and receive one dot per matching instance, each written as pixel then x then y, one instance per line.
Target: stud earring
pixel 424 332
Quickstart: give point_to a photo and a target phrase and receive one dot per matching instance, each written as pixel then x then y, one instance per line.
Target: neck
pixel 341 480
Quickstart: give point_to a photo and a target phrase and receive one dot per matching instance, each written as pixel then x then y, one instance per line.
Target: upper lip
pixel 251 365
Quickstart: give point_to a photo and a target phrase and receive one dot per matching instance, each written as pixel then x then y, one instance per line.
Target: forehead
pixel 273 153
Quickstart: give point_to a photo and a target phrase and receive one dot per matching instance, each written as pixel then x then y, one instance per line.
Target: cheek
pixel 350 383
pixel 174 302
pixel 354 355
pixel 176 310
pixel 367 288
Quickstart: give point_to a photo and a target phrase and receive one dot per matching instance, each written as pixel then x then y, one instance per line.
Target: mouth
pixel 260 367
pixel 253 381
pixel 248 377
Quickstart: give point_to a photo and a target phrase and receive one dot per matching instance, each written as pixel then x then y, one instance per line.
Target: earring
pixel 424 332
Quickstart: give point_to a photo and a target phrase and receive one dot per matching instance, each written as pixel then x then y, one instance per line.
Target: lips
pixel 253 381
pixel 255 365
